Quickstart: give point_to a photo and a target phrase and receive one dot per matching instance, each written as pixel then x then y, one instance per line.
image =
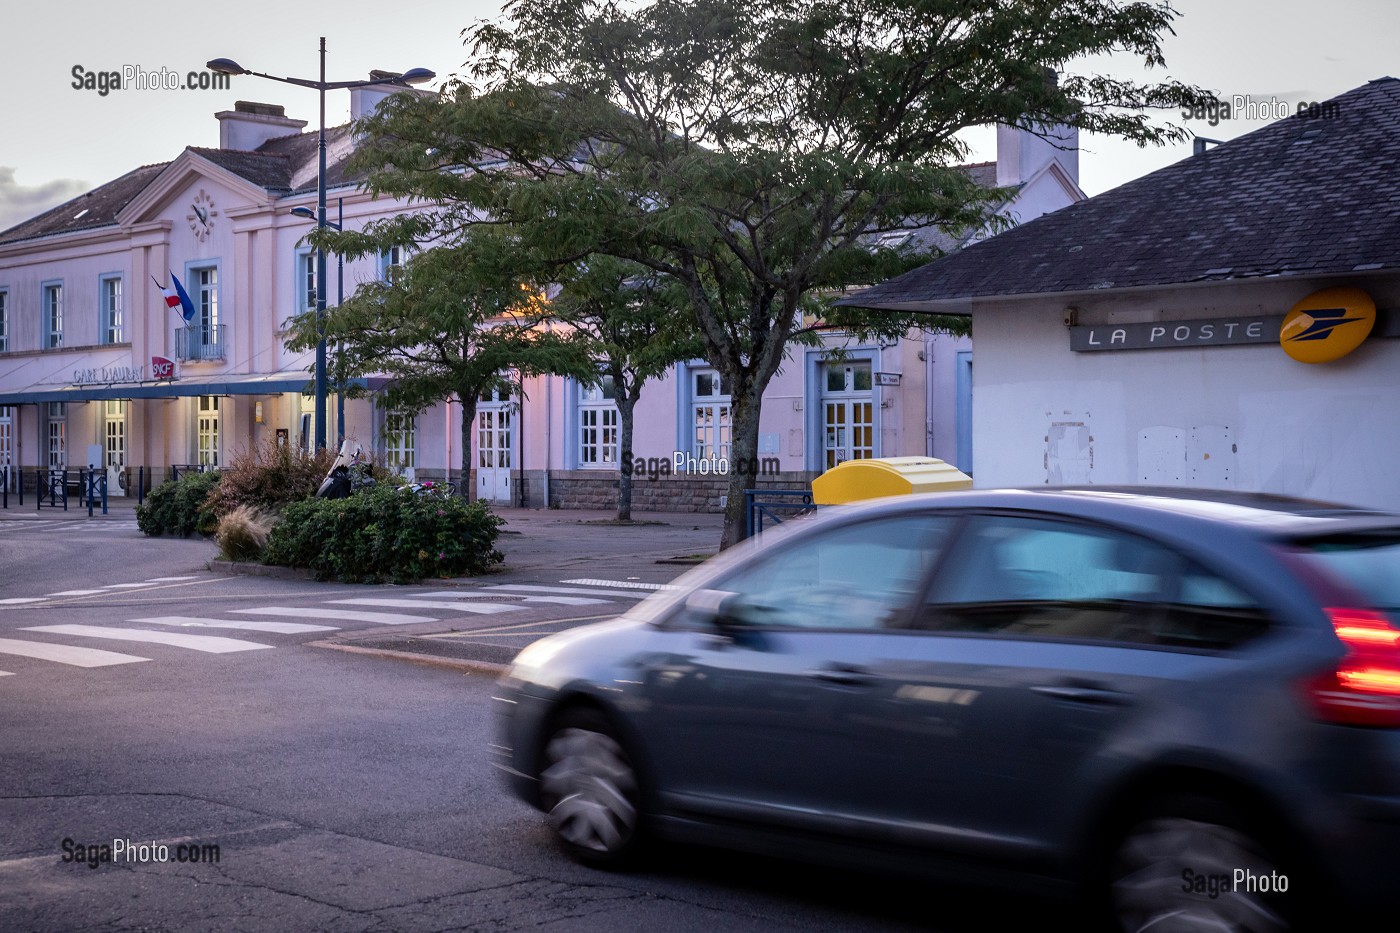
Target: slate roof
pixel 96 208
pixel 276 166
pixel 1299 196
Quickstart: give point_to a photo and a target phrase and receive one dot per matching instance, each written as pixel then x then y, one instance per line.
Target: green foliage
pixel 269 477
pixel 243 533
pixel 180 508
pixel 746 151
pixel 451 322
pixel 386 533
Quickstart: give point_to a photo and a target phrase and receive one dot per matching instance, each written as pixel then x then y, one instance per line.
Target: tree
pixel 453 321
pixel 637 327
pixel 746 150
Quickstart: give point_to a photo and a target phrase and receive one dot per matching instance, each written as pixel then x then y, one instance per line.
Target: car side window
pixel 861 576
pixel 1033 577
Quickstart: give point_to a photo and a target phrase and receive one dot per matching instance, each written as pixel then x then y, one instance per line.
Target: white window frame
pixel 400 440
pixel 711 422
pixel 599 426
pixel 204 282
pixel 207 428
pixel 847 398
pixel 304 280
pixel 51 303
pixel 392 258
pixel 56 435
pixel 114 433
pixel 4 320
pixel 112 308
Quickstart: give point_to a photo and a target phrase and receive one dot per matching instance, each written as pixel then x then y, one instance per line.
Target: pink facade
pixel 84 325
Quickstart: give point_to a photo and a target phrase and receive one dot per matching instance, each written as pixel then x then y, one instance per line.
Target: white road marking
pixel 212 644
pixel 169 579
pixel 561 600
pixel 76 593
pixel 16 600
pixel 576 590
pixel 627 584
pixel 66 654
pixel 348 615
pixel 6 674
pixel 280 628
pixel 478 608
pixel 123 586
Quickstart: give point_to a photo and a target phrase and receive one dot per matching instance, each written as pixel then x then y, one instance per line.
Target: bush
pixel 180 507
pixel 269 477
pixel 386 533
pixel 243 533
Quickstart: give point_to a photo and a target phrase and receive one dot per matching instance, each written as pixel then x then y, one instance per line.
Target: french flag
pixel 179 298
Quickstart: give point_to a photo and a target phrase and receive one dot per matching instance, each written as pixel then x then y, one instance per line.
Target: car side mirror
pixel 714 607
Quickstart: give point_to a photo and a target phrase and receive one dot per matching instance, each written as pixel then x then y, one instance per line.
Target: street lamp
pixel 228 66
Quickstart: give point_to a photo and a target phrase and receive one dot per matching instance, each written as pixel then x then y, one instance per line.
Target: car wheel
pixel 1179 865
pixel 590 789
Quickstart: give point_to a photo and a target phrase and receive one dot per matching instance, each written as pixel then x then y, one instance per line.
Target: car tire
pixel 1173 868
pixel 590 788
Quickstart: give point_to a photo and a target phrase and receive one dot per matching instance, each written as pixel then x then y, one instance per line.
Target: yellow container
pixel 887 476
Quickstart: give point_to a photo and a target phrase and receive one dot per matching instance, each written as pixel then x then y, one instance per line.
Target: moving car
pixel 1184 706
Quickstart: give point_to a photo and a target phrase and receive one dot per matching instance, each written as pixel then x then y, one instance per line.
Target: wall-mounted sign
pixel 161 368
pixel 1151 335
pixel 1327 325
pixel 106 375
pixel 887 379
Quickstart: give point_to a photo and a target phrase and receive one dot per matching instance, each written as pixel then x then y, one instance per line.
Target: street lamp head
pixel 226 66
pixel 306 212
pixel 416 76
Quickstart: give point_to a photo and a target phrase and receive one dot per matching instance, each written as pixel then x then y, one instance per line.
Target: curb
pixel 259 570
pixel 452 664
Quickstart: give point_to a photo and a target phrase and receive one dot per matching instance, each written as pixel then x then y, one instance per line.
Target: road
pixel 342 791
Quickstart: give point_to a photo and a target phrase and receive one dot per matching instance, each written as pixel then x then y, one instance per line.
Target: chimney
pixel 1021 153
pixel 248 125
pixel 363 100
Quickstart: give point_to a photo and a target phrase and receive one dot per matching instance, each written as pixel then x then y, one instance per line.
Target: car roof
pixel 1260 513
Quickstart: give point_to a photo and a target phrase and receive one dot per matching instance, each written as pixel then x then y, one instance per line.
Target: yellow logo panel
pixel 1327 325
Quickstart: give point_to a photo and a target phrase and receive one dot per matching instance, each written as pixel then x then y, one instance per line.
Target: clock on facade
pixel 203 217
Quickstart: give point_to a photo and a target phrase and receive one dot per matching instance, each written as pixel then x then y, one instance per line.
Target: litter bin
pixel 855 480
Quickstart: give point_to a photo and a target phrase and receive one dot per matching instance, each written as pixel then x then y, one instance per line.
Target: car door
pixel 755 721
pixel 1042 644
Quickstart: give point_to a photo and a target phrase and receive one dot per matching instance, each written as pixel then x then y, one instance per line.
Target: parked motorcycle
pixel 348 473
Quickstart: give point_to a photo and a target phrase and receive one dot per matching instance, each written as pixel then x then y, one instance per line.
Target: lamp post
pixel 414 76
pixel 339 300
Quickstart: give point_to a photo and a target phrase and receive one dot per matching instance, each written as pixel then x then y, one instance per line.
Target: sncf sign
pixel 161 368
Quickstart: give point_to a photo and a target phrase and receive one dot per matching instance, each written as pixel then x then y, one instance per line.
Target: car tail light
pixel 1364 688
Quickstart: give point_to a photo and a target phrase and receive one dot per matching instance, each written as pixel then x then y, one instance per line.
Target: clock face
pixel 202 218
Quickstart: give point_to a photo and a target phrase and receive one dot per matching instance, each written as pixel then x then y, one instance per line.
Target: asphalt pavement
pixel 591 567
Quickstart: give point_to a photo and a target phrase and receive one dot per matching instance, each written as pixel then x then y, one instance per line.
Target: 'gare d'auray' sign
pixel 1153 335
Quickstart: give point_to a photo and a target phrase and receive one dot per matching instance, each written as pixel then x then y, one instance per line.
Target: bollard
pixel 140 485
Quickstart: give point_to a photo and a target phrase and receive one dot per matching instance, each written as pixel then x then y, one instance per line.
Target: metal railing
pixel 198 342
pixel 773 505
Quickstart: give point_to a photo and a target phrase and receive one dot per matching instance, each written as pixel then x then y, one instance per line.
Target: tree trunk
pixel 626 408
pixel 467 490
pixel 743 459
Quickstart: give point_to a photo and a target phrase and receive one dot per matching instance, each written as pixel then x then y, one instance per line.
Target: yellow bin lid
pixel 886 476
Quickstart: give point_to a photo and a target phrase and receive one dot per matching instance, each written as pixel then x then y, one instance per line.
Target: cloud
pixel 18 203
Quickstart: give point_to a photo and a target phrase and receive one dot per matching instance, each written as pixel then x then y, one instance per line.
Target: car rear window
pixel 1368 563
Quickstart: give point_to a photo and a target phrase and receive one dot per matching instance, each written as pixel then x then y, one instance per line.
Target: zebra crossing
pixel 215 634
pixel 69 525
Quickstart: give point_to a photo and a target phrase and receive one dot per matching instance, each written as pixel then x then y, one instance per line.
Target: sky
pixel 60 141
